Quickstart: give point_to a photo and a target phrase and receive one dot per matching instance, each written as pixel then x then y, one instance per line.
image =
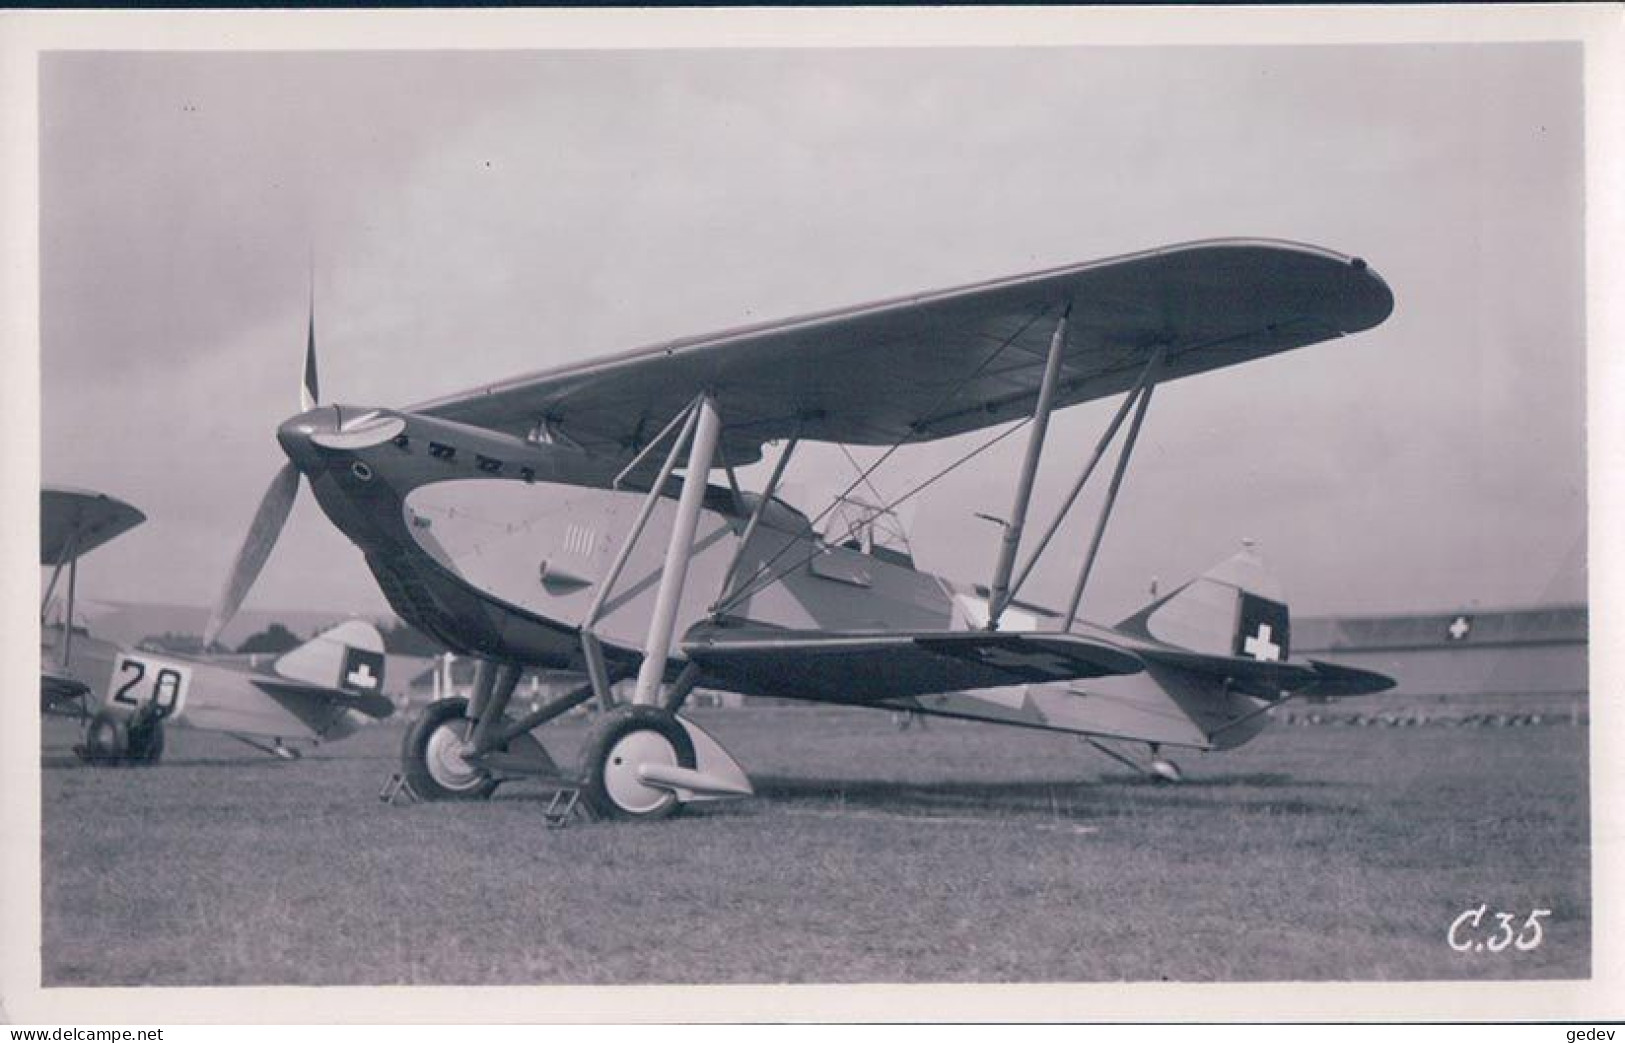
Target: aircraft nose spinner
pixel 298 433
pixel 335 428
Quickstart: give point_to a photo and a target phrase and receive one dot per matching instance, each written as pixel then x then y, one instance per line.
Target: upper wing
pixel 865 667
pixel 938 364
pixel 76 521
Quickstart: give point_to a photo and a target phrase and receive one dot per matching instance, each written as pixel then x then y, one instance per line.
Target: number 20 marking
pixel 168 691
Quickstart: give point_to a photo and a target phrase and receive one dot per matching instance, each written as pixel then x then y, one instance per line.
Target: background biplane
pixel 510 523
pixel 322 690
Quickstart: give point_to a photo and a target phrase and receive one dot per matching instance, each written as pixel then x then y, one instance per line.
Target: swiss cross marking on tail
pixel 1263 630
pixel 1260 647
pixel 1460 627
pixel 363 671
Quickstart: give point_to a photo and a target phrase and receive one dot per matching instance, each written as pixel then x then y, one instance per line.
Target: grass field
pixel 961 853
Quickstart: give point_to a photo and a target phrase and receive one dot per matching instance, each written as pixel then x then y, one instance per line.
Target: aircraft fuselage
pixel 497 546
pixel 193 692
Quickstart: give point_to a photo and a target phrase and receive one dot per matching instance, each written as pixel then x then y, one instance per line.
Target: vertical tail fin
pixel 1235 608
pixel 351 656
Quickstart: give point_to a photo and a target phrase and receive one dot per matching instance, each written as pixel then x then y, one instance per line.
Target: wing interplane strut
pixel 702 451
pixel 1083 479
pixel 999 594
pixel 1143 395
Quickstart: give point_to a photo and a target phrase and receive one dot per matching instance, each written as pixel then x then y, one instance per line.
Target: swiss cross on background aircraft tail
pixel 1234 609
pixel 349 656
pixel 363 671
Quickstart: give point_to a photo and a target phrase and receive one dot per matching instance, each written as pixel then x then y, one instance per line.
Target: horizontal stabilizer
pixel 372 704
pixel 1272 679
pixel 869 666
pixel 1334 680
pixel 1268 678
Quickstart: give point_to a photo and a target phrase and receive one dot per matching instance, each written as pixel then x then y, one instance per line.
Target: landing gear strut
pixel 642 761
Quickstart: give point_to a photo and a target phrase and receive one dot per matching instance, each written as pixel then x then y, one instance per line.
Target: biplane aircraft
pixel 322 690
pixel 517 523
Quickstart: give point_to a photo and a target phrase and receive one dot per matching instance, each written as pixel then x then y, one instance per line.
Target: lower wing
pixel 868 667
pixel 372 704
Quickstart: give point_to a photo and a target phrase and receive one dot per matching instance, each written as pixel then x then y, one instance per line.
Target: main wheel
pixel 106 740
pixel 144 738
pixel 627 738
pixel 432 759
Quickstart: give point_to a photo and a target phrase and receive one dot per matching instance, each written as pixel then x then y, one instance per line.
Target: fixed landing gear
pixel 618 759
pixel 641 761
pixel 432 755
pixel 115 739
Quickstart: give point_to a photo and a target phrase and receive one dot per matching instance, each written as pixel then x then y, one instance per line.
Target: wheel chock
pixel 565 805
pixel 398 791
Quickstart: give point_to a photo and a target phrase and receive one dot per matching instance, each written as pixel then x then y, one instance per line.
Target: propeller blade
pixel 262 536
pixel 309 393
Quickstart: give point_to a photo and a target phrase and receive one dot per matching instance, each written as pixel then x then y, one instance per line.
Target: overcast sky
pixel 473 216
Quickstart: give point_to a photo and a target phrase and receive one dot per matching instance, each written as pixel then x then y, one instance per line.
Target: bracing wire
pixel 751 586
pixel 879 496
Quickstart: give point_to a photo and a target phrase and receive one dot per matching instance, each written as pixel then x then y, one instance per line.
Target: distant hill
pixel 129 622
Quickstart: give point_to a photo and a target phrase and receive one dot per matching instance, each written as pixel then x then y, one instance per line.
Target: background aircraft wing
pixel 59 689
pixel 936 364
pixel 74 522
pixel 865 667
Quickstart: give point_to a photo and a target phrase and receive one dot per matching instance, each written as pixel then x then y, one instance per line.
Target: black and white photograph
pixel 670 501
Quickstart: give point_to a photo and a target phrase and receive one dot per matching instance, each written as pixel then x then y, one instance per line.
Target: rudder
pixel 1236 608
pixel 349 656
